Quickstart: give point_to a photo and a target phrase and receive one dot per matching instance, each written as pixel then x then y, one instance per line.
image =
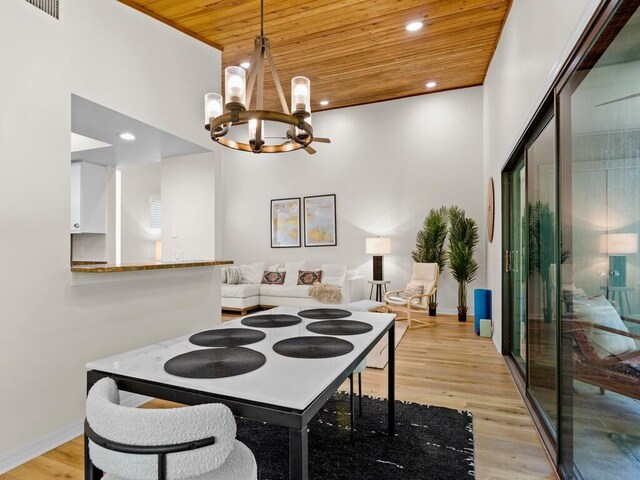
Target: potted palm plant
pixel 463 239
pixel 430 245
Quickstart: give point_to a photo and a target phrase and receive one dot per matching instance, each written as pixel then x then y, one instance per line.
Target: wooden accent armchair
pixel 616 373
pixel 426 275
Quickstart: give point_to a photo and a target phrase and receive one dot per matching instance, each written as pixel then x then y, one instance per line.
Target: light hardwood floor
pixel 446 365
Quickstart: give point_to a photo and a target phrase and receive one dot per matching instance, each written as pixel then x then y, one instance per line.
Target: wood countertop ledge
pixel 135 267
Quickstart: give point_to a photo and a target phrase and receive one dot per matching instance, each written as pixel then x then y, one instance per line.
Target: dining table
pixel 288 388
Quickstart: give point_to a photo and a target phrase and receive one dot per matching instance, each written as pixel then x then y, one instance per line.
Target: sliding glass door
pixel 541 280
pixel 600 284
pixel 530 259
pixel 515 263
pixel 571 285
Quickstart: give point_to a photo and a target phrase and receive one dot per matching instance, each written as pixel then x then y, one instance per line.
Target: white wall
pixel 535 42
pixel 188 200
pixel 115 56
pixel 388 164
pixel 137 239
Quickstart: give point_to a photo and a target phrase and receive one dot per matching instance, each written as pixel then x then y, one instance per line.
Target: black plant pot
pixel 432 309
pixel 462 314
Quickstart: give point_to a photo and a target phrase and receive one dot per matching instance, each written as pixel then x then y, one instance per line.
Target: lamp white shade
pixel 619 243
pixel 235 85
pixel 378 246
pixel 212 106
pixel 252 125
pixel 300 94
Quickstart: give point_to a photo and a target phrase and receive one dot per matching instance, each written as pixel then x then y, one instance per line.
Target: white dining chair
pixel 187 443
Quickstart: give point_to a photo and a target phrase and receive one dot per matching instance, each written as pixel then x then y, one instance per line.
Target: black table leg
pixel 360 394
pixel 298 454
pixel 392 380
pixel 351 406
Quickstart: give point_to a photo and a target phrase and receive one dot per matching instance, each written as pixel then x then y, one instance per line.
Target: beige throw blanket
pixel 325 293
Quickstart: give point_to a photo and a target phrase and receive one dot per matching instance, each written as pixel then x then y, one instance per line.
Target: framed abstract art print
pixel 320 221
pixel 286 223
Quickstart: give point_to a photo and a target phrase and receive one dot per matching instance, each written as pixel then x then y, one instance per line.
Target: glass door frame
pixel 516 167
pixel 542 117
pixel 542 122
pixel 560 450
pixel 596 39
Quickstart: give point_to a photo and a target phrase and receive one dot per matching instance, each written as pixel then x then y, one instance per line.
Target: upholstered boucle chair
pixel 202 439
pixel 415 298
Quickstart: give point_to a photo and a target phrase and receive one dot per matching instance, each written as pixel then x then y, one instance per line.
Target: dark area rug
pixel 431 443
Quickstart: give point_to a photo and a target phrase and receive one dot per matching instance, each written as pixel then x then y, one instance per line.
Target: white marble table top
pixel 282 381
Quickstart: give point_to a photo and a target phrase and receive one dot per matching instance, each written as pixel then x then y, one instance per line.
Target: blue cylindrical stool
pixel 482 306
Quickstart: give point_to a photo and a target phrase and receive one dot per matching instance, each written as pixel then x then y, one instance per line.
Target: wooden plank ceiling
pixel 353 51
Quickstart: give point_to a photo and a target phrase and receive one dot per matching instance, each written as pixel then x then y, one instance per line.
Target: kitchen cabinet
pixel 88 198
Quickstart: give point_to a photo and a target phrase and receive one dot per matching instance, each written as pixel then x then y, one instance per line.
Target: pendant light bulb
pixel 300 94
pixel 235 87
pixel 212 106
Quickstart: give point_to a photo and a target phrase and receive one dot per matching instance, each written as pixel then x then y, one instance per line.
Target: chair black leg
pixel 352 406
pixel 360 394
pixel 162 466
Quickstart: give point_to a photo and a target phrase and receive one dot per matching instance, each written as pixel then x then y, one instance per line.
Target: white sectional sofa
pixel 252 294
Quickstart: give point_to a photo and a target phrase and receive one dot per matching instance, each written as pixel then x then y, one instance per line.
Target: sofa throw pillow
pixel 309 277
pixel 292 269
pixel 599 311
pixel 334 274
pixel 252 273
pixel 223 275
pixel 233 275
pixel 412 289
pixel 273 278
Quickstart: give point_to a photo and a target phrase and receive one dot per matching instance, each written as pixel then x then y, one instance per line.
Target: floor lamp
pixel 378 247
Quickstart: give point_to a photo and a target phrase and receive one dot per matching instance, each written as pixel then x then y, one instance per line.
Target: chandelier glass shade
pixel 244 88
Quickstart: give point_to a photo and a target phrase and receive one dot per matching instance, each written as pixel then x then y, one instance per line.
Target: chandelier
pixel 241 87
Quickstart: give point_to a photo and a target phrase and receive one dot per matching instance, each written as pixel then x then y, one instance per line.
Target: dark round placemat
pixel 325 313
pixel 313 347
pixel 339 327
pixel 275 320
pixel 227 337
pixel 215 362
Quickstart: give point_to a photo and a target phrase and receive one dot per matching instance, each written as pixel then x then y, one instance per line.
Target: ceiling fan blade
pixel 321 140
pixel 310 150
pixel 621 99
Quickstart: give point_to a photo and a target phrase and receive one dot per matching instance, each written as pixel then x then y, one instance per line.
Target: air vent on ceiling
pixel 52 7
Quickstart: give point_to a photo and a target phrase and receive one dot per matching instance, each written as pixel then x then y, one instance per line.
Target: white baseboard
pixel 17 456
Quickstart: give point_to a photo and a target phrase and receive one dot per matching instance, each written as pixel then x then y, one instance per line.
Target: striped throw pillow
pixel 234 275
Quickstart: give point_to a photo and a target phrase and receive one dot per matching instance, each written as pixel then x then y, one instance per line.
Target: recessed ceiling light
pixel 414 26
pixel 245 65
pixel 127 136
pixel 324 103
pixel 431 84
